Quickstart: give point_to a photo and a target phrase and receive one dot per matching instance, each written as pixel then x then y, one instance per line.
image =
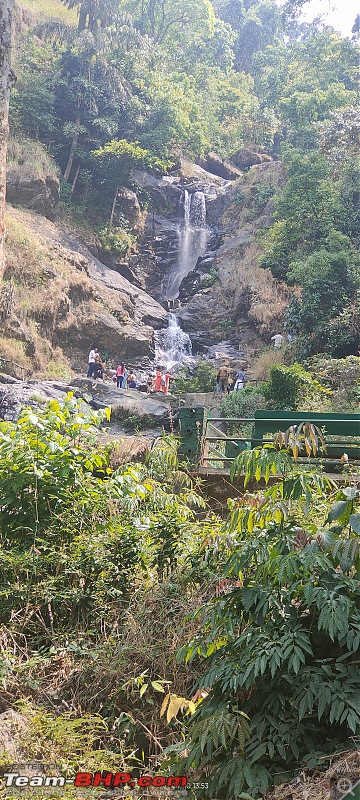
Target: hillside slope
pixel 61 300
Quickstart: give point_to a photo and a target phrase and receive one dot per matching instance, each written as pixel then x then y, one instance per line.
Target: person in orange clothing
pixel 167 379
pixel 157 381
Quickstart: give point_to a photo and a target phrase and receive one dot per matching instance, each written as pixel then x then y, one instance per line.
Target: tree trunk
pixel 82 19
pixel 113 207
pixel 73 147
pixel 75 180
pixel 6 9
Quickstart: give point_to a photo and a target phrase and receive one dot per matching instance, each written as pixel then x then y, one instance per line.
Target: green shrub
pixel 280 645
pixel 243 403
pixel 288 387
pixel 115 240
pixel 210 277
pixel 201 379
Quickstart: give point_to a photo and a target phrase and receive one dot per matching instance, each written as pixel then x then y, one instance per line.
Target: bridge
pixel 210 444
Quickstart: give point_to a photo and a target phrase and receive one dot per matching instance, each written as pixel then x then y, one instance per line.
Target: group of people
pixel 98 369
pixel 159 382
pixel 124 378
pixel 225 382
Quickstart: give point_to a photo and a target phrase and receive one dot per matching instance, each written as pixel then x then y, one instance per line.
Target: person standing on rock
pixel 91 362
pixel 98 367
pixel 120 372
pixel 166 381
pixel 157 382
pixel 149 383
pixel 222 379
pixel 278 340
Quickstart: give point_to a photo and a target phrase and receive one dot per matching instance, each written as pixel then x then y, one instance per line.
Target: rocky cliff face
pixel 226 298
pixel 62 298
pixel 65 300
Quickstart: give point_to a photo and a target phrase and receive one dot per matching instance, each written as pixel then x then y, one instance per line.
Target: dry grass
pixel 54 9
pixel 146 636
pixel 131 448
pixel 262 363
pixel 14 350
pixel 50 286
pixel 28 161
pixel 24 254
pixel 343 772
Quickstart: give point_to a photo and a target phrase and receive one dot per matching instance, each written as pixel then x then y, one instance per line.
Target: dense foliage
pixel 140 84
pixel 90 552
pixel 278 646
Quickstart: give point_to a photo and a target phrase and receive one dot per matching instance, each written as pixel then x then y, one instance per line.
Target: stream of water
pixel 173 346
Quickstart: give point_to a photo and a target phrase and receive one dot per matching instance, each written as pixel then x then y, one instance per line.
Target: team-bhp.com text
pixel 103 779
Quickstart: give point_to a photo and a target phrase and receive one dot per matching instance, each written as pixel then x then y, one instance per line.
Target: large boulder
pixel 32 179
pixel 127 403
pixel 216 165
pixel 249 156
pixel 127 203
pixel 41 194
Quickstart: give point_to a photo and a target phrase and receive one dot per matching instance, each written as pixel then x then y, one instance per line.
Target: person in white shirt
pixel 91 361
pixel 278 340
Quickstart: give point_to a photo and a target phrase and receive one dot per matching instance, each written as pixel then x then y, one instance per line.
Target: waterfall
pixel 187 206
pixel 172 345
pixel 193 237
pixel 198 210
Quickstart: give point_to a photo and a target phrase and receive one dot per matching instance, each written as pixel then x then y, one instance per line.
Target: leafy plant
pixel 283 636
pixel 288 387
pixel 201 379
pixel 115 240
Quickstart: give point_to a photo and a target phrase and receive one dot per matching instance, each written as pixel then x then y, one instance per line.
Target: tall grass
pixel 55 9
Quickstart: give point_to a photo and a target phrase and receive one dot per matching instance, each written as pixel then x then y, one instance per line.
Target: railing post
pixel 192 427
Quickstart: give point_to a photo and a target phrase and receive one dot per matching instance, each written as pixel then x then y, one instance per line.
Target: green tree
pixel 93 13
pixel 305 211
pixel 171 21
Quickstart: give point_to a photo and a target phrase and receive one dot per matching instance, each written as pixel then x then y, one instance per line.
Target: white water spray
pixel 172 345
pixel 193 236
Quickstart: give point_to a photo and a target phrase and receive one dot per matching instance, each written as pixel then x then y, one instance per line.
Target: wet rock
pixel 189 285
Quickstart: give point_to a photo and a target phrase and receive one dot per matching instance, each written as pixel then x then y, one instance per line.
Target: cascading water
pixel 197 210
pixel 193 236
pixel 187 206
pixel 173 346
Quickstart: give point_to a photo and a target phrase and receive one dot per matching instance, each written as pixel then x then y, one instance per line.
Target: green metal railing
pixel 206 444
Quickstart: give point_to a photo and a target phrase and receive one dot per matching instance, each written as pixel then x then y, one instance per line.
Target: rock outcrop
pixel 127 405
pixel 243 302
pixel 249 157
pixel 128 205
pixel 73 299
pixel 216 165
pixel 41 195
pixel 32 178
